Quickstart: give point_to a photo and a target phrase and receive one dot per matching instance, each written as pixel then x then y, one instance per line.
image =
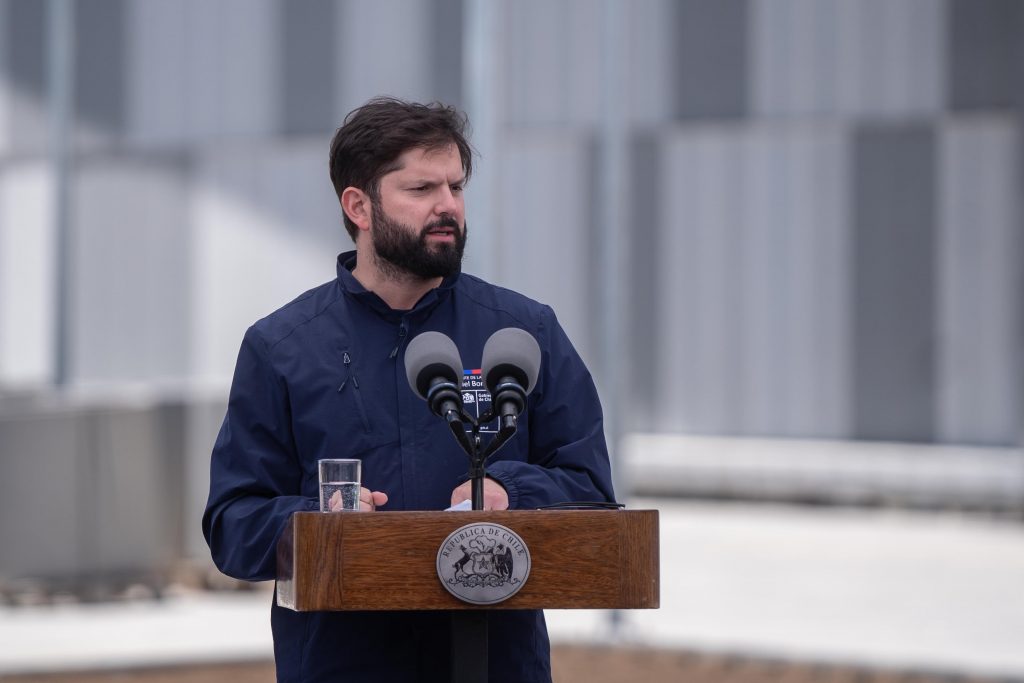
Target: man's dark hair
pixel 372 137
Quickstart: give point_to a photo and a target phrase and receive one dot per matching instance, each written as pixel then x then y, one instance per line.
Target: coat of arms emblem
pixel 483 563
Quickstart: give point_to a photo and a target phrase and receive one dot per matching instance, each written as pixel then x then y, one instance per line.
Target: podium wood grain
pixel 590 559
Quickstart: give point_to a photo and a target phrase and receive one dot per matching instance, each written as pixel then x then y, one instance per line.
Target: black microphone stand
pixel 469 627
pixel 472 442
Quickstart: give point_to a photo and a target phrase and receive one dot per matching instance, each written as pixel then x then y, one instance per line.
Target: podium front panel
pixel 593 559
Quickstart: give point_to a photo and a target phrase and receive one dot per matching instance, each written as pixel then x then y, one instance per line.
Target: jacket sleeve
pixel 255 477
pixel 568 456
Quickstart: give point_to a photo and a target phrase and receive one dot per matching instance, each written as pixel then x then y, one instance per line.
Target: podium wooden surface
pixel 592 559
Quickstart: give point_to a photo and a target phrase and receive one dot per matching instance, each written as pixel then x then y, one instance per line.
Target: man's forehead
pixel 424 158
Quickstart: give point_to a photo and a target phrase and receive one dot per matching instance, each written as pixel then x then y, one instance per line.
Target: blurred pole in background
pixel 611 261
pixel 481 86
pixel 60 48
pixel 612 355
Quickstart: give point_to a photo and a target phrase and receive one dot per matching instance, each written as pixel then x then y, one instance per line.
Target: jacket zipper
pixel 351 375
pixel 401 335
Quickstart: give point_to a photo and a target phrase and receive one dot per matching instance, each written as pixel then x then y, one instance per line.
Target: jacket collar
pixel 346 262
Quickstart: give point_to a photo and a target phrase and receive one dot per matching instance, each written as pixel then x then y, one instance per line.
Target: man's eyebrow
pixel 418 182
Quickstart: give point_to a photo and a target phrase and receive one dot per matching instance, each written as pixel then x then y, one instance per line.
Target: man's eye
pixel 456 188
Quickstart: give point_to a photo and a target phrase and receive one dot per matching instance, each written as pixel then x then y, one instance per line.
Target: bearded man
pixel 324 377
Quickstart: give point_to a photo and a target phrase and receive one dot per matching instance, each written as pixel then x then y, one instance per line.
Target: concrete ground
pixel 884 589
pixel 937 592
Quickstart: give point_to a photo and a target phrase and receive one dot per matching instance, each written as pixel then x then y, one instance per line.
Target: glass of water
pixel 339 484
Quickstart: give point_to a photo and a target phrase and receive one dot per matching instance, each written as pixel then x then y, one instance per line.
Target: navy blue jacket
pixel 324 377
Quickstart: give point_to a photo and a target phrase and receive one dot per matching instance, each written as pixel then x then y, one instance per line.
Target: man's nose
pixel 447 203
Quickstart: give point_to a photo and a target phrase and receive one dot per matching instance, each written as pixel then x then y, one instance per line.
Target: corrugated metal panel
pixel 648 34
pixel 866 58
pixel 552 60
pixel 24 75
pixel 198 70
pixel 91 492
pixel 6 85
pixel 985 60
pixel 545 251
pixel 27 277
pixel 894 194
pixel 980 283
pixel 40 495
pixel 203 417
pixel 753 281
pixel 229 61
pixel 890 57
pixel 794 57
pixel 710 62
pixel 382 49
pixel 158 80
pixel 267 209
pixel 795 283
pixel 700 294
pixel 130 303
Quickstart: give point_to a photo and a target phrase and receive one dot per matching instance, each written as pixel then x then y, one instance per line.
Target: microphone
pixel 434 369
pixel 510 364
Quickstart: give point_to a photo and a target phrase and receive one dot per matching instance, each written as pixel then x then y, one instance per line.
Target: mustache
pixel 442 222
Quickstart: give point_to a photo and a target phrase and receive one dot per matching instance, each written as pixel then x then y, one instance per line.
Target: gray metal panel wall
pixel 27 273
pixel 649 36
pixel 546 177
pixel 791 261
pixel 645 221
pixel 699 295
pixel 90 491
pixel 751 290
pixel 710 64
pixel 100 61
pixel 866 58
pixel 6 86
pixel 744 313
pixel 131 244
pixel 368 63
pixel 986 54
pixel 24 75
pixel 980 366
pixel 551 58
pixel 134 491
pixel 203 418
pixel 893 305
pixel 262 208
pixel 40 494
pixel 199 70
pixel 308 67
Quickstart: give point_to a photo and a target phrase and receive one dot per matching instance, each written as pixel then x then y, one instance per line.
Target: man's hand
pixel 368 500
pixel 495 495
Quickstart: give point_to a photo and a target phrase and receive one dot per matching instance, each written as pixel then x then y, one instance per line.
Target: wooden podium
pixel 580 559
pixel 587 559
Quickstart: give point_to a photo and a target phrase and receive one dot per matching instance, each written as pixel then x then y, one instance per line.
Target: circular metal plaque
pixel 483 563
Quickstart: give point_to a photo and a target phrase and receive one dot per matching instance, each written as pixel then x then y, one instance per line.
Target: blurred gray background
pixel 785 235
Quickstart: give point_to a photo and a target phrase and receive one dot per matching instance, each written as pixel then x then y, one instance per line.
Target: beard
pixel 400 251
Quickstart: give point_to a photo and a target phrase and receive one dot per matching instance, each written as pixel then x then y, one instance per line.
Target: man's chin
pixel 445 252
pixel 428 269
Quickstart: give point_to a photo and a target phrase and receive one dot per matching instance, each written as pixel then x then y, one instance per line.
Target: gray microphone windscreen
pixel 431 355
pixel 511 352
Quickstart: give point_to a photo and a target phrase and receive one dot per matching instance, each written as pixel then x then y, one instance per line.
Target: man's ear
pixel 357 206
